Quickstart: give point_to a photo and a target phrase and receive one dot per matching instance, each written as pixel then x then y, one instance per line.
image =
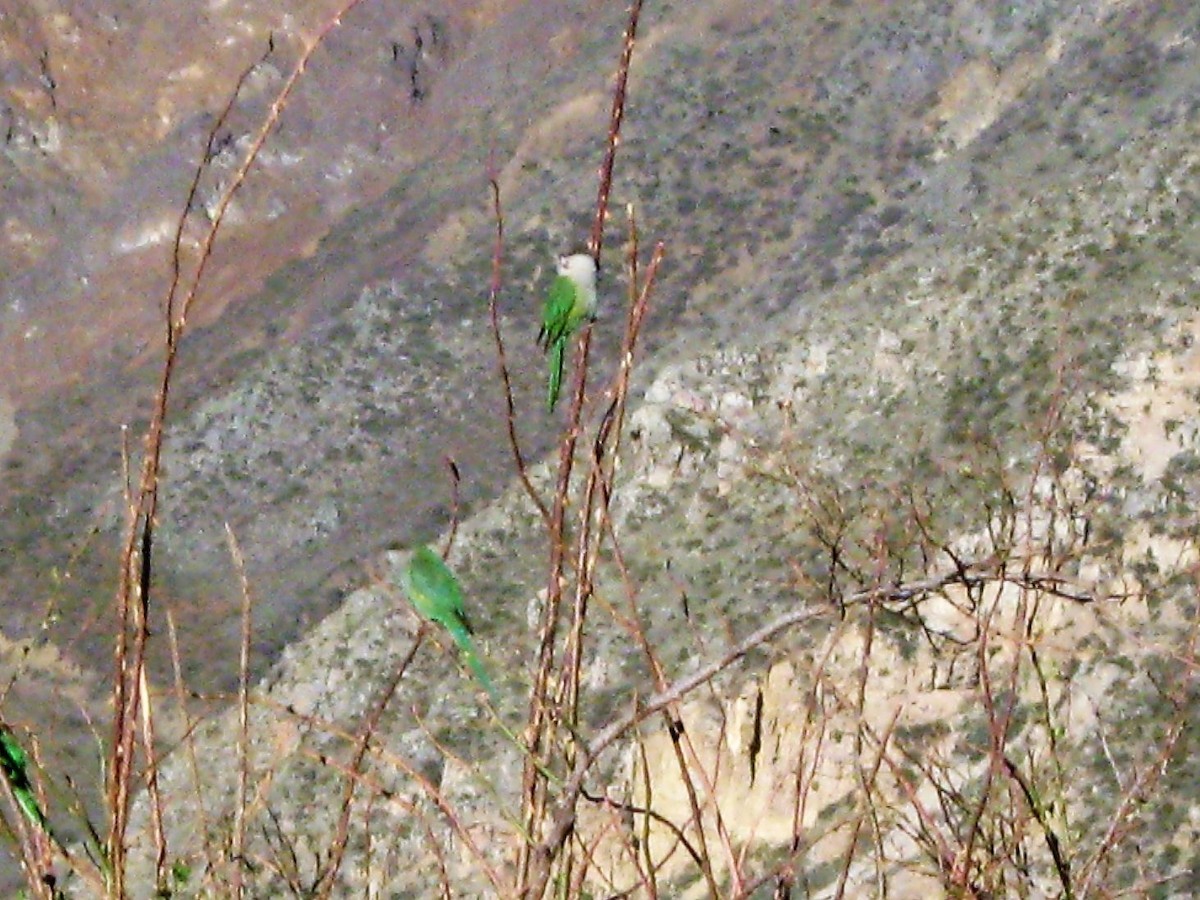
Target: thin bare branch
pixel 510 411
pixel 367 730
pixel 239 815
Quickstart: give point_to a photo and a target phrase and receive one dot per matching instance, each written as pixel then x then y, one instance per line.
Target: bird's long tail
pixel 557 353
pixel 481 675
pixel 463 638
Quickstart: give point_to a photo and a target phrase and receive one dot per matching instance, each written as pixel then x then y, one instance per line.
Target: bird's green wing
pixel 432 587
pixel 434 591
pixel 12 763
pixel 558 313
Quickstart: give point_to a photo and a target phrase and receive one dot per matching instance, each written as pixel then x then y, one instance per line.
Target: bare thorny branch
pixel 133 593
pixel 531 882
pixel 553 724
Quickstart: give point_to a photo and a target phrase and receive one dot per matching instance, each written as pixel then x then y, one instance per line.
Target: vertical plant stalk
pixel 537 741
pixel 605 453
pixel 327 878
pixel 243 784
pixel 594 506
pixel 599 480
pixel 31 838
pixel 594 510
pixel 135 566
pixel 598 497
pixel 455 481
pixel 156 806
pixel 189 742
pixel 501 358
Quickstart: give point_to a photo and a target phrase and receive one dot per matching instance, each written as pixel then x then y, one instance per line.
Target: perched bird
pixel 434 591
pixel 572 299
pixel 12 764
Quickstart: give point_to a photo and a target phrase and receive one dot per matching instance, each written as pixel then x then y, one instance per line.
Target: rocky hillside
pixel 920 376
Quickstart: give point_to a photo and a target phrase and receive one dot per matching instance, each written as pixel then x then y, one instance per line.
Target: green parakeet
pixel 12 763
pixel 572 299
pixel 434 591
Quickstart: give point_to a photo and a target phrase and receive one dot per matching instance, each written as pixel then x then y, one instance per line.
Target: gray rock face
pixel 927 297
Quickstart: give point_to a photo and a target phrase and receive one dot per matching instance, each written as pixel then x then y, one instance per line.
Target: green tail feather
pixel 481 674
pixel 29 806
pixel 462 637
pixel 557 353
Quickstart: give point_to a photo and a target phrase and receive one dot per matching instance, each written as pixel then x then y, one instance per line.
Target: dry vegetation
pixel 917 711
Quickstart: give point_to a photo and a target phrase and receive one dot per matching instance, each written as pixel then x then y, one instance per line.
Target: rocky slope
pixel 929 296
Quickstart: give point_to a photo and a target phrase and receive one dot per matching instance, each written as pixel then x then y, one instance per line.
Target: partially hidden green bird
pixel 434 591
pixel 13 762
pixel 572 299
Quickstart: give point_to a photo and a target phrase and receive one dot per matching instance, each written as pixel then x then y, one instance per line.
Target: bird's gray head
pixel 577 266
